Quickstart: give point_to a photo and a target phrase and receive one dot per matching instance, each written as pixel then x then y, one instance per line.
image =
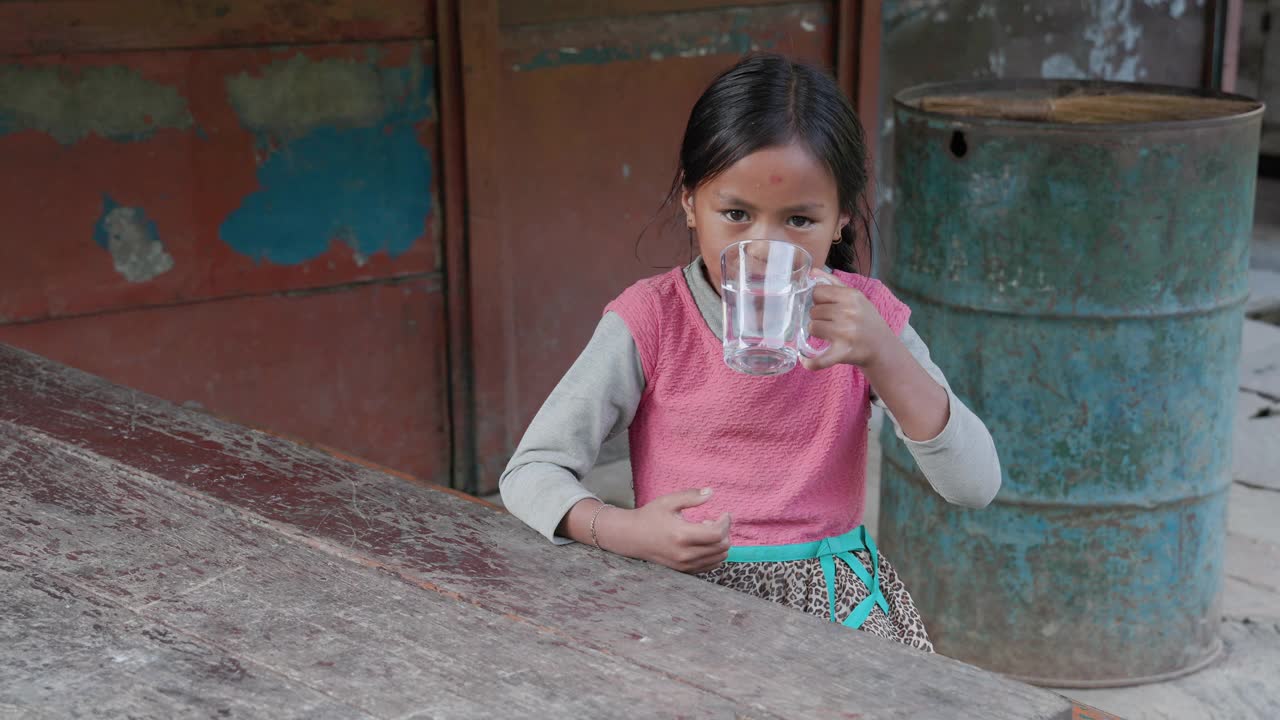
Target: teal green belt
pixel 826 551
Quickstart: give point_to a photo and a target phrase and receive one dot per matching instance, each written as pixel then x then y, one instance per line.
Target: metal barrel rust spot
pixel 1083 286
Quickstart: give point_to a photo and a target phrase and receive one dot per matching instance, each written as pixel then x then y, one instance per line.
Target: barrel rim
pixel 903 102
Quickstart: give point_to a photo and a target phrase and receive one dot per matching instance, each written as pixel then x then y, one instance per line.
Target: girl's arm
pixel 960 459
pixel 542 485
pixel 595 400
pixel 919 404
pixel 922 406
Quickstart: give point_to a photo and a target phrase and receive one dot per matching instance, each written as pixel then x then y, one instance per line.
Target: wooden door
pixel 573 117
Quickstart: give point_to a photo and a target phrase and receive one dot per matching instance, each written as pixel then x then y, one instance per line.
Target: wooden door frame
pixel 461 411
pixel 1222 44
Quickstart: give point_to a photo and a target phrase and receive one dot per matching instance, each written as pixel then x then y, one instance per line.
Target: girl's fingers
pixel 824 330
pixel 826 294
pixel 828 276
pixel 705 556
pixel 837 332
pixel 823 312
pixel 822 362
pixel 713 533
pixel 707 550
pixel 710 531
pixel 832 356
pixel 832 311
pixel 682 500
pixel 700 535
pixel 706 562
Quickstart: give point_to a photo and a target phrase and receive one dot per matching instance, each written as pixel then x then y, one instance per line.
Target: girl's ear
pixel 686 201
pixel 845 217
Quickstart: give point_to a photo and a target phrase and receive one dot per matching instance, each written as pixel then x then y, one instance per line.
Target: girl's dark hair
pixel 767 100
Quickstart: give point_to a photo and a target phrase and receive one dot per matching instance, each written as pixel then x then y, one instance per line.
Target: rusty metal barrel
pixel 1075 254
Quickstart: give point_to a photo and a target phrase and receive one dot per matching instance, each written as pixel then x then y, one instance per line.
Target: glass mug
pixel 767 290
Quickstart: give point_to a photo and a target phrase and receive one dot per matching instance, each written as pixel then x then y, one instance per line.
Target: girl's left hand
pixel 845 318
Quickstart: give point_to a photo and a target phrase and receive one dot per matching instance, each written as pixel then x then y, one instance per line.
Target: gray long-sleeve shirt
pixel 597 398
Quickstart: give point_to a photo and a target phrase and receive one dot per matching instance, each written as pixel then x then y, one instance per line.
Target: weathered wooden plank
pixel 1264 291
pixel 31 27
pixel 69 513
pixel 1253 513
pixel 399 651
pixel 778 661
pixel 1256 562
pixel 204 571
pixel 69 653
pixel 1255 454
pixel 1244 601
pixel 1260 359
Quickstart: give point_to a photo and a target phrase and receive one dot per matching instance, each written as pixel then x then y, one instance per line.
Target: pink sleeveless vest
pixel 786 455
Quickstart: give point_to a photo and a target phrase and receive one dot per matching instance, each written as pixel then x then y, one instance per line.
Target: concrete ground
pixel 1243 684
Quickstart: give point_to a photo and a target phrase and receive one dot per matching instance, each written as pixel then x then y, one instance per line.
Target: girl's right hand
pixel 658 533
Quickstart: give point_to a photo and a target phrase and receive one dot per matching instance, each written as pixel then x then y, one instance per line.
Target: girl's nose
pixel 768 231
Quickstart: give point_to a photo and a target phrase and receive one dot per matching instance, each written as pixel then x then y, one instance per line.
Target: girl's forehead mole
pixel 775 179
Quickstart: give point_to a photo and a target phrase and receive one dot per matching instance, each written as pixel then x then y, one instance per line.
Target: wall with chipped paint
pixel 1156 41
pixel 257 170
pixel 247 224
pixel 113 102
pixel 339 158
pixel 238 204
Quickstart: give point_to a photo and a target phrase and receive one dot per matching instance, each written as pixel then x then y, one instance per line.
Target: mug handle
pixel 802 341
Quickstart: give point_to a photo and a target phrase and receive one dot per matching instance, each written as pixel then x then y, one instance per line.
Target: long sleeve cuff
pixel 540 495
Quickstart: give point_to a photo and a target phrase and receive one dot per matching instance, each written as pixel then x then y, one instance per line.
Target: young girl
pixel 755 483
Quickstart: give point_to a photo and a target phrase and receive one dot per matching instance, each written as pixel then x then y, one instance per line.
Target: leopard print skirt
pixel 799 584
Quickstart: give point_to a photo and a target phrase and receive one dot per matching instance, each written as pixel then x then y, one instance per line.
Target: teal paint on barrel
pixel 1083 288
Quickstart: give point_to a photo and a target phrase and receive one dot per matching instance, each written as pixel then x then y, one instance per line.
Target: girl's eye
pixel 735 215
pixel 799 221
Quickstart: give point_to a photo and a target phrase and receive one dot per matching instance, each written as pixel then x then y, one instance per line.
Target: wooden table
pixel 158 562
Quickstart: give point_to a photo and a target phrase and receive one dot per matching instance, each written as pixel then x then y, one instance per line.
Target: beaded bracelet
pixel 594 540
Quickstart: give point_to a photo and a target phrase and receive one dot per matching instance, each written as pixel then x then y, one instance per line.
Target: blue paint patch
pixel 100 234
pixel 367 187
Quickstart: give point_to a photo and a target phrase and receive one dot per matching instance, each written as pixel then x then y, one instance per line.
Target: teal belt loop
pixel 829 573
pixel 881 600
pixel 826 551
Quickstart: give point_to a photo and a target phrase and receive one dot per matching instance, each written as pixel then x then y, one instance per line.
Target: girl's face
pixel 779 193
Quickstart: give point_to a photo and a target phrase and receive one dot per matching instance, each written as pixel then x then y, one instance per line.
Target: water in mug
pixel 760 327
